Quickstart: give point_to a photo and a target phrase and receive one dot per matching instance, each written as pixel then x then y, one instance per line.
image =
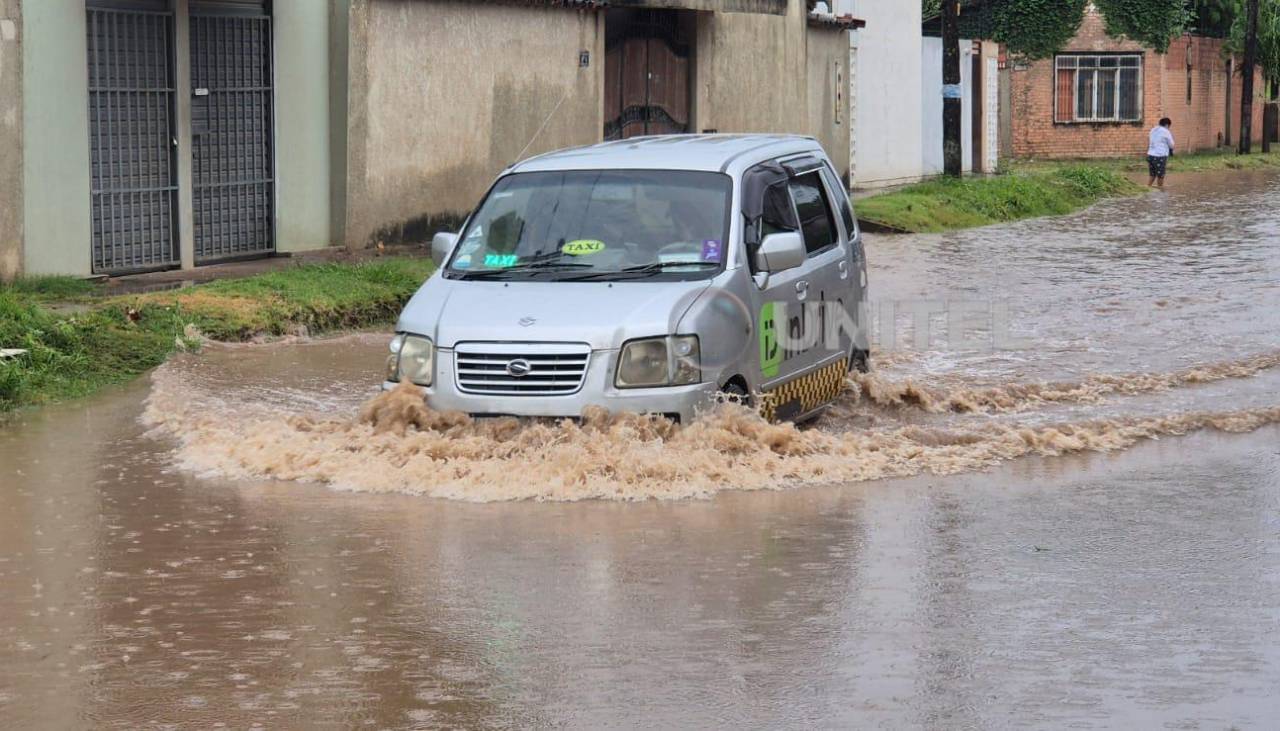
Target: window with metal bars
pixel 1098 88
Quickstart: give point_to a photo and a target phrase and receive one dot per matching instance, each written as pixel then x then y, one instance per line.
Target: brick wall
pixel 1202 124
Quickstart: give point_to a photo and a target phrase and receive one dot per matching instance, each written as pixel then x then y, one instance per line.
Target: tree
pixel 1213 18
pixel 1268 36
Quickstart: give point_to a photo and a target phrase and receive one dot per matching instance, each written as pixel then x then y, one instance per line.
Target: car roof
pixel 705 152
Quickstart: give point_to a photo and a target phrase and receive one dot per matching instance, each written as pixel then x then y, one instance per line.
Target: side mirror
pixel 780 252
pixel 441 244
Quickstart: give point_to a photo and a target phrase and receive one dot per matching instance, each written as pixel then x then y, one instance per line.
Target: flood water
pixel 1077 526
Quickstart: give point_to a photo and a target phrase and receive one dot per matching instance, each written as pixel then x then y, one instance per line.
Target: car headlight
pixel 668 361
pixel 413 357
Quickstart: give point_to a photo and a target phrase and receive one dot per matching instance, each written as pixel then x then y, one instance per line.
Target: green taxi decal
pixel 583 247
pixel 770 348
pixel 500 261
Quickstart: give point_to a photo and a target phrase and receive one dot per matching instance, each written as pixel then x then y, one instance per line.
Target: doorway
pixel 232 122
pixel 132 167
pixel 648 54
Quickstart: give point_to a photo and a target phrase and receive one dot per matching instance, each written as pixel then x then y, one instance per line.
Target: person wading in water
pixel 1158 152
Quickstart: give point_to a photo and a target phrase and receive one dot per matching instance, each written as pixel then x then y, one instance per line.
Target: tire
pixel 736 393
pixel 860 361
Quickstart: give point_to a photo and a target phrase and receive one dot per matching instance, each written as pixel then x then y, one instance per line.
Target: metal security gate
pixel 231 127
pixel 132 165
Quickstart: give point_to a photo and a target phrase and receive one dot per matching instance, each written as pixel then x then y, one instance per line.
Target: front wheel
pixel 860 360
pixel 734 392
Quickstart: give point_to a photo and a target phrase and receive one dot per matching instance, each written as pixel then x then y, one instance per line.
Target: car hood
pixel 599 313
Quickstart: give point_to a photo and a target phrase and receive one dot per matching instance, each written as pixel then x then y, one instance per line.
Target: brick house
pixel 1100 95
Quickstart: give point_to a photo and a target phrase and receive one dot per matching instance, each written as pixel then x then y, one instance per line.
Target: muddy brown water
pixel 1082 531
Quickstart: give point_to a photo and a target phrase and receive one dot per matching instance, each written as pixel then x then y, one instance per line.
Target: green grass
pixel 1196 162
pixel 947 204
pixel 50 288
pixel 118 338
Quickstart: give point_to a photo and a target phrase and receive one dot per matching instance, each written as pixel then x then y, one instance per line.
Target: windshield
pixel 598 225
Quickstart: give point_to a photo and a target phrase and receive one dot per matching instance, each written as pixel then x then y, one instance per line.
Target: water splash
pixel 396 443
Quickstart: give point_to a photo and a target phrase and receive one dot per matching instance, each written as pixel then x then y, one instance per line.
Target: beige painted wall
pixel 443 95
pixel 829 88
pixel 764 73
pixel 10 139
pixel 751 72
pixel 57 230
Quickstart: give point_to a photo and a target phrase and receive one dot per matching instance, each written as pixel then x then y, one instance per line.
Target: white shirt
pixel 1161 142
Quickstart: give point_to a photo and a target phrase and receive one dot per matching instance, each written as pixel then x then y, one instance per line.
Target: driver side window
pixel 816 221
pixel 778 215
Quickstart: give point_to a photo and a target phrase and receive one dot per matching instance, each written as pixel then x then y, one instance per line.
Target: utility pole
pixel 952 152
pixel 1246 88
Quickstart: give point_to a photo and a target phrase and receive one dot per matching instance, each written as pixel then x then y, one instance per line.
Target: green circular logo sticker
pixel 583 247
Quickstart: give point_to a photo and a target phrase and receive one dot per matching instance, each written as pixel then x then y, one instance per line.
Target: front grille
pixel 554 369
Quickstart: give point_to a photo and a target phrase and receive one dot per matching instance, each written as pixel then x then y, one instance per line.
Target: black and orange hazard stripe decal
pixel 804 394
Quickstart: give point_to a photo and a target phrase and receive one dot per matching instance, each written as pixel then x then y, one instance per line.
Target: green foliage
pixel 118 338
pixel 1268 35
pixel 1213 17
pixel 1034 29
pixel 947 204
pixel 1153 23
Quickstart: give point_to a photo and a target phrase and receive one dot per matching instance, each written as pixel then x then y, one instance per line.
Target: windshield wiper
pixel 641 271
pixel 530 266
pixel 662 266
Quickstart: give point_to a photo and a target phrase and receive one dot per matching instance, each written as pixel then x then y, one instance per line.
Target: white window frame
pixel 1074 67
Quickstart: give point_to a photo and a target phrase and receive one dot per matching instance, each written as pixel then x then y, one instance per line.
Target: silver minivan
pixel 645 275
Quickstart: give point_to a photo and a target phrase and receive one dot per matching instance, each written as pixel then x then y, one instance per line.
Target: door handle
pixel 844 269
pixel 802 289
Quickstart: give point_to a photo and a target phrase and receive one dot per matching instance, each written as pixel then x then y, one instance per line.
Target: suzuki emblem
pixel 519 368
pixel 527 321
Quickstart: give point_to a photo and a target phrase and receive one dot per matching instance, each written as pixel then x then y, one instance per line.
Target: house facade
pixel 896 88
pixel 1100 95
pixel 142 135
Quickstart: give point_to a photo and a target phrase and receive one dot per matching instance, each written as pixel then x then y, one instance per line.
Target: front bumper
pixel 683 402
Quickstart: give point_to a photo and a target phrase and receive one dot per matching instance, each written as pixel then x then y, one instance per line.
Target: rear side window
pixel 816 222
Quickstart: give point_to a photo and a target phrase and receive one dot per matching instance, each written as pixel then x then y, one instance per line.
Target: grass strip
pixel 946 204
pixel 112 340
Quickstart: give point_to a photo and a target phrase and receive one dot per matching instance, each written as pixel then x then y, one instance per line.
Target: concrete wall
pixel 443 95
pixel 10 139
pixel 888 115
pixel 302 47
pixel 766 73
pixel 751 72
pixel 829 112
pixel 55 121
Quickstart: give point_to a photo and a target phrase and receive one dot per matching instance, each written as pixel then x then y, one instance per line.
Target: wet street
pixel 1078 528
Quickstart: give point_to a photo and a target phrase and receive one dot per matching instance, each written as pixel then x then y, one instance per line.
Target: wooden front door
pixel 646 74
